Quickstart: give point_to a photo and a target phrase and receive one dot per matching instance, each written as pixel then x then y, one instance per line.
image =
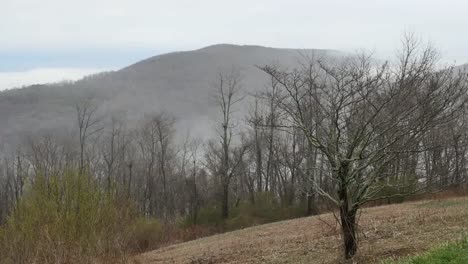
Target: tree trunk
pixel 311 163
pixel 196 202
pixel 311 205
pixel 347 212
pixel 225 202
pixel 129 187
pixel 258 156
pixel 348 226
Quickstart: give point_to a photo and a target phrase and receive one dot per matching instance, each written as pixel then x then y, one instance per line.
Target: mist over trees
pixel 330 133
pixel 179 83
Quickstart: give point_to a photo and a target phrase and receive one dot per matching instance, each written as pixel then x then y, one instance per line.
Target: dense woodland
pixel 333 134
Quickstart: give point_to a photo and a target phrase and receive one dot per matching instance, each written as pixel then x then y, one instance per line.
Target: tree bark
pixel 348 226
pixel 347 212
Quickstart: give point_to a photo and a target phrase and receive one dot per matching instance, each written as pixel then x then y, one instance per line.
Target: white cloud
pixel 10 80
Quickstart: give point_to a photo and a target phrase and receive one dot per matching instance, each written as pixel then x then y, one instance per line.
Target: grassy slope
pixel 385 232
pixel 452 253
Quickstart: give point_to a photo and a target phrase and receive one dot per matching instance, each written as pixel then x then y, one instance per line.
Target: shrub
pixel 66 219
pixel 146 234
pixel 264 210
pixel 245 213
pixel 209 215
pixel 397 190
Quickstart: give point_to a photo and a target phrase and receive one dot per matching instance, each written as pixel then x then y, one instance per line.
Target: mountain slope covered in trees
pixel 179 83
pixel 325 132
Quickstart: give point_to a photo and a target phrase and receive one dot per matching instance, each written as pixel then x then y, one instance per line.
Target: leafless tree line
pixel 337 133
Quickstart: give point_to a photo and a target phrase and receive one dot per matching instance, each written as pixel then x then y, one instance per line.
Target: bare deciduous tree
pixel 366 115
pixel 228 94
pixel 88 125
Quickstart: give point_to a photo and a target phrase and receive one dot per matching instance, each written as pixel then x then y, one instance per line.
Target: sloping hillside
pixel 180 83
pixel 386 231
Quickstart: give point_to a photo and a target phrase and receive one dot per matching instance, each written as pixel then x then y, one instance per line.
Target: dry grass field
pixel 390 231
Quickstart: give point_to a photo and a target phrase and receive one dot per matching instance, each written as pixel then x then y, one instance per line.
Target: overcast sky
pixel 68 38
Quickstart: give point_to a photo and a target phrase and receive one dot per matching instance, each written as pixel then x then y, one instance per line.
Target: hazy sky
pixel 82 36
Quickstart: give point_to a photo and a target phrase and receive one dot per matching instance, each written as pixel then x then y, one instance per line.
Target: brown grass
pixel 385 232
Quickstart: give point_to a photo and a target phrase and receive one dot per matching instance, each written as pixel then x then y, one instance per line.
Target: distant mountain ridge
pixel 180 83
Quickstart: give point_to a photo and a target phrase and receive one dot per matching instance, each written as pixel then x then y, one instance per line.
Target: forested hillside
pixel 188 144
pixel 179 83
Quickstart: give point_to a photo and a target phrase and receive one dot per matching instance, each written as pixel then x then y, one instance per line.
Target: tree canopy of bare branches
pixel 365 114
